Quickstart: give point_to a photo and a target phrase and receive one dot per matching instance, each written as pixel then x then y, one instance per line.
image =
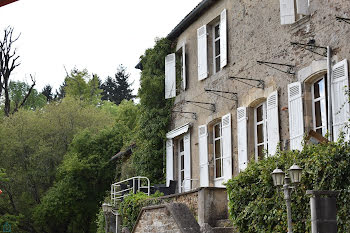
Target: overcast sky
pixel 96 35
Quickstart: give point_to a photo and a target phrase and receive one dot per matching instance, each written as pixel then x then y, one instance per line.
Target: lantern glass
pixel 106 207
pixel 277 177
pixel 295 173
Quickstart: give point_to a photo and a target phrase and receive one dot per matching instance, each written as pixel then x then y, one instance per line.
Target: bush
pixel 131 206
pixel 255 205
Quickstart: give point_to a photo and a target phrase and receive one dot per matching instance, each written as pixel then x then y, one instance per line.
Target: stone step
pixel 224 223
pixel 223 230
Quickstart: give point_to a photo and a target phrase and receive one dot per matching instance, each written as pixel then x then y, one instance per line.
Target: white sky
pixel 91 34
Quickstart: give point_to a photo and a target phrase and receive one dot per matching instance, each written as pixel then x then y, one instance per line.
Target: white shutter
pixel 340 105
pixel 226 147
pixel 272 123
pixel 242 138
pixel 169 161
pixel 170 76
pixel 287 11
pixel 184 66
pixel 223 39
pixel 202 52
pixel 187 162
pixel 303 7
pixel 296 116
pixel 203 156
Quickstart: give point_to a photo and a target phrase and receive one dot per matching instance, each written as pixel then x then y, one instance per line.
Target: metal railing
pixel 129 186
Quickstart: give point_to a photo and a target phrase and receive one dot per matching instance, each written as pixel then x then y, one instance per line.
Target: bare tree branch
pixel 26 96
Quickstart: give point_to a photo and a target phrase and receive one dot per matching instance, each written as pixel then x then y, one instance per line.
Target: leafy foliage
pixel 154 113
pixel 47 92
pixel 118 89
pixel 18 90
pixel 84 176
pixel 257 206
pixel 81 86
pixel 131 206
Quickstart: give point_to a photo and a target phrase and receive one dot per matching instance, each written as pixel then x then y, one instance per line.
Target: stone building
pixel 249 76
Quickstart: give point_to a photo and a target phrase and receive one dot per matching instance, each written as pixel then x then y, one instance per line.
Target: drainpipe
pixel 329 97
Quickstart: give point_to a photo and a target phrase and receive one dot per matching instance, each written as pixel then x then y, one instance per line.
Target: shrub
pixel 255 205
pixel 131 206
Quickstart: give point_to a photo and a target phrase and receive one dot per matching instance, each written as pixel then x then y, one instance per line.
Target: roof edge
pixel 190 18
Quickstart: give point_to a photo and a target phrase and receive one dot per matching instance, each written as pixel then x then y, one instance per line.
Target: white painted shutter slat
pixel 187 162
pixel 169 161
pixel 303 7
pixel 287 11
pixel 223 39
pixel 226 146
pixel 340 105
pixel 170 76
pixel 272 123
pixel 296 116
pixel 242 138
pixel 184 66
pixel 202 52
pixel 203 156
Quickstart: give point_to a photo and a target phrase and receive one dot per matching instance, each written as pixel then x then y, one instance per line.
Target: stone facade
pixel 255 33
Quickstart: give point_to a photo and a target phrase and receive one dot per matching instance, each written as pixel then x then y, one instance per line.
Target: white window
pixel 219 46
pixel 292 10
pixel 181 156
pixel 216 48
pixel 260 131
pixel 175 72
pixel 217 135
pixel 319 105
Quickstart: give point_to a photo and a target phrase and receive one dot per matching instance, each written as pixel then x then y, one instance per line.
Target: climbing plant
pixel 255 205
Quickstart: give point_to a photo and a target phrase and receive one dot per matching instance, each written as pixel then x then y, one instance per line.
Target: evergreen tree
pixel 47 92
pixel 61 93
pixel 118 89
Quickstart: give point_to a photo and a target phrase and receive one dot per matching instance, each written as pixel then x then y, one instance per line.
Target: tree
pixel 23 95
pixel 60 93
pixel 8 62
pixel 47 92
pixel 118 89
pixel 81 86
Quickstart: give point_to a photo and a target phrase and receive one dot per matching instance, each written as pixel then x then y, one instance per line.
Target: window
pixel 218 36
pixel 217 135
pixel 292 10
pixel 216 48
pixel 181 157
pixel 175 72
pixel 319 105
pixel 260 130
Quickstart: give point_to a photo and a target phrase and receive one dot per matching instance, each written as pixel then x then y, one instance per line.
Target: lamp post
pixel 106 208
pixel 279 177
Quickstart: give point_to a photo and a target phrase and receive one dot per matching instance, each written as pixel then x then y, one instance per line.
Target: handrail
pixel 117 195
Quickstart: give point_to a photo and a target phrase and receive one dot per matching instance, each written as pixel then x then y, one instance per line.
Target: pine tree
pixel 118 89
pixel 47 92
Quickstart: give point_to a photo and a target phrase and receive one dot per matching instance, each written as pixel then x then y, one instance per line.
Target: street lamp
pixel 278 176
pixel 106 208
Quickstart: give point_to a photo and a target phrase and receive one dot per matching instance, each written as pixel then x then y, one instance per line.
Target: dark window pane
pixel 217 133
pixel 318 116
pixel 260 133
pixel 259 113
pixel 217 64
pixel 261 152
pixel 217 31
pixel 217 149
pixel 182 162
pixel 217 48
pixel 181 145
pixel 218 168
pixel 182 176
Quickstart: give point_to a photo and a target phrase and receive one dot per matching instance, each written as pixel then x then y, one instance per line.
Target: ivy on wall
pixel 255 205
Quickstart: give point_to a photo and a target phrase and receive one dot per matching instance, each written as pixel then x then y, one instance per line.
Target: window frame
pixel 264 123
pixel 214 48
pixel 221 154
pixel 181 156
pixel 324 105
